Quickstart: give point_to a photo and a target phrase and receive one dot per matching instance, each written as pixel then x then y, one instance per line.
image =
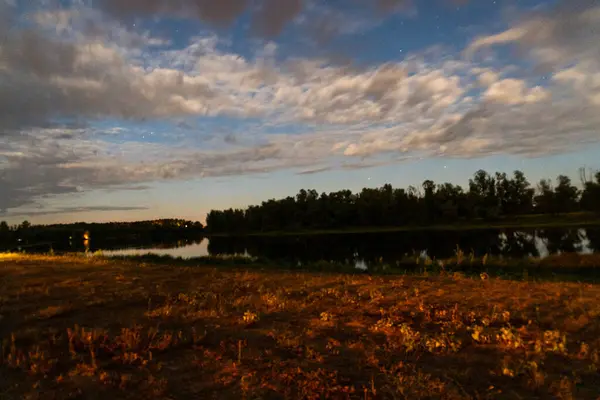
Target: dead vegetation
pixel 91 328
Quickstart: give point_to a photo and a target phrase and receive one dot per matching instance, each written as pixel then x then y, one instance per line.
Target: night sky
pixel 142 109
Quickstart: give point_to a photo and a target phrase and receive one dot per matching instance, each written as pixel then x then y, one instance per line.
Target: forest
pixel 488 198
pixel 101 233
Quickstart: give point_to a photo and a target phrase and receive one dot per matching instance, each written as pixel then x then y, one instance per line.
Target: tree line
pixel 139 231
pixel 488 197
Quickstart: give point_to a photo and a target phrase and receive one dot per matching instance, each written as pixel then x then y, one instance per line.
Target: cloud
pixel 44 78
pixel 487 77
pixel 128 188
pixel 273 15
pixel 514 91
pixel 38 166
pixel 32 168
pixel 388 5
pixel 221 12
pixel 230 139
pixel 60 80
pixel 73 210
pixel 565 34
pixel 315 171
pixel 269 17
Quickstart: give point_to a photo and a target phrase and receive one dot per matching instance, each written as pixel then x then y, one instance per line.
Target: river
pixel 364 249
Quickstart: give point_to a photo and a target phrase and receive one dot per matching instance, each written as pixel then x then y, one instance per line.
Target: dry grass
pixel 77 328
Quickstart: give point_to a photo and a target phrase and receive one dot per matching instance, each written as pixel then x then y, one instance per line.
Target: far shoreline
pixel 539 221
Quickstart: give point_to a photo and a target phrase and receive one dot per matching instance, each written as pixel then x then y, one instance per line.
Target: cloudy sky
pixel 125 110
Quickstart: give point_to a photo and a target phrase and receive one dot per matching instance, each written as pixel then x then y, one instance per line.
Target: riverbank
pixel 573 220
pixel 98 328
pixel 564 267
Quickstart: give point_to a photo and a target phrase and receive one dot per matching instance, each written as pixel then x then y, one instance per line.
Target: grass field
pixel 93 328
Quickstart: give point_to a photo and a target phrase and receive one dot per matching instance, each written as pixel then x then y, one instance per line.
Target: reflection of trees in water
pixel 593 236
pixel 373 248
pixel 95 244
pixel 294 249
pixel 562 240
pixel 517 244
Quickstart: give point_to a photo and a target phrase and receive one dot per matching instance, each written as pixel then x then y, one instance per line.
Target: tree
pixel 482 189
pixel 449 201
pixel 566 195
pixel 488 196
pixel 521 194
pixel 544 200
pixel 4 232
pixel 590 196
pixel 429 199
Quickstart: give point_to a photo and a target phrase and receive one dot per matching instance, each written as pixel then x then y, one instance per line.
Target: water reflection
pixel 367 249
pixel 197 248
pixel 176 248
pixel 593 240
pixel 351 248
